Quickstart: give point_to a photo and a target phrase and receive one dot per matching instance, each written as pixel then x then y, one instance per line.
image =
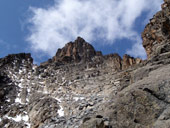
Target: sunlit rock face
pixel 156 36
pixel 76 51
pixel 81 88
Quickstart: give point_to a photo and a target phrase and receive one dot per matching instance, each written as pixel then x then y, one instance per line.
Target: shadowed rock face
pixel 16 57
pixel 129 61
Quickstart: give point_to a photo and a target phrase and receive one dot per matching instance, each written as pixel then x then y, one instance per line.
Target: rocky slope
pixel 81 88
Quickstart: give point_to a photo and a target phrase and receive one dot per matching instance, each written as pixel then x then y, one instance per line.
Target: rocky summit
pixel 81 88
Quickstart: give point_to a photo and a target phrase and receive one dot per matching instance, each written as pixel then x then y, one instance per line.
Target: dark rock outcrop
pixel 16 57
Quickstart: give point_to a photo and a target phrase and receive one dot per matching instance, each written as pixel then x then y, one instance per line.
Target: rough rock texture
pixel 114 61
pixel 75 52
pixel 60 93
pixel 129 61
pixel 156 36
pixel 81 88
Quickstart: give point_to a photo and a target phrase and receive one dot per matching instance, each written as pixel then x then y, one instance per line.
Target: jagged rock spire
pixel 76 51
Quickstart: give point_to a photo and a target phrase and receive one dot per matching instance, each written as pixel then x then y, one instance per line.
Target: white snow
pixel 78 98
pixel 70 82
pixel 28 90
pixel 22 80
pixel 28 125
pixel 61 111
pixel 10 72
pixel 39 77
pixel 25 118
pixel 34 67
pixel 20 85
pixel 41 82
pixel 27 99
pixel 19 118
pixel 8 100
pixel 20 71
pixel 9 83
pixel 18 100
pixel 45 92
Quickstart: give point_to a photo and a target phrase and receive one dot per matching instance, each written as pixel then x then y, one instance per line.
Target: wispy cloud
pixel 109 20
pixel 137 49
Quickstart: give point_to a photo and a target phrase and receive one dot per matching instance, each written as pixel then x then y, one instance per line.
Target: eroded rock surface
pixel 81 88
pixel 76 51
pixel 156 39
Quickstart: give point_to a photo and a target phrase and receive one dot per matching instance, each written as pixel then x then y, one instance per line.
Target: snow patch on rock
pixel 78 98
pixel 18 118
pixel 61 111
pixel 18 100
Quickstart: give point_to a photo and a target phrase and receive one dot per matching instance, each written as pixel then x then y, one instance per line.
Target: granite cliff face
pixel 81 88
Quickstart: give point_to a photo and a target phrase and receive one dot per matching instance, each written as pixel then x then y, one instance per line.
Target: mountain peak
pixel 79 40
pixel 76 51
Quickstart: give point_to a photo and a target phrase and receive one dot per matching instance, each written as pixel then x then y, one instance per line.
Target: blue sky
pixel 13 29
pixel 42 26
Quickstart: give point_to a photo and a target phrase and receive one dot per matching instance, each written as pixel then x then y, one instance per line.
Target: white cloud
pixel 137 49
pixel 110 20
